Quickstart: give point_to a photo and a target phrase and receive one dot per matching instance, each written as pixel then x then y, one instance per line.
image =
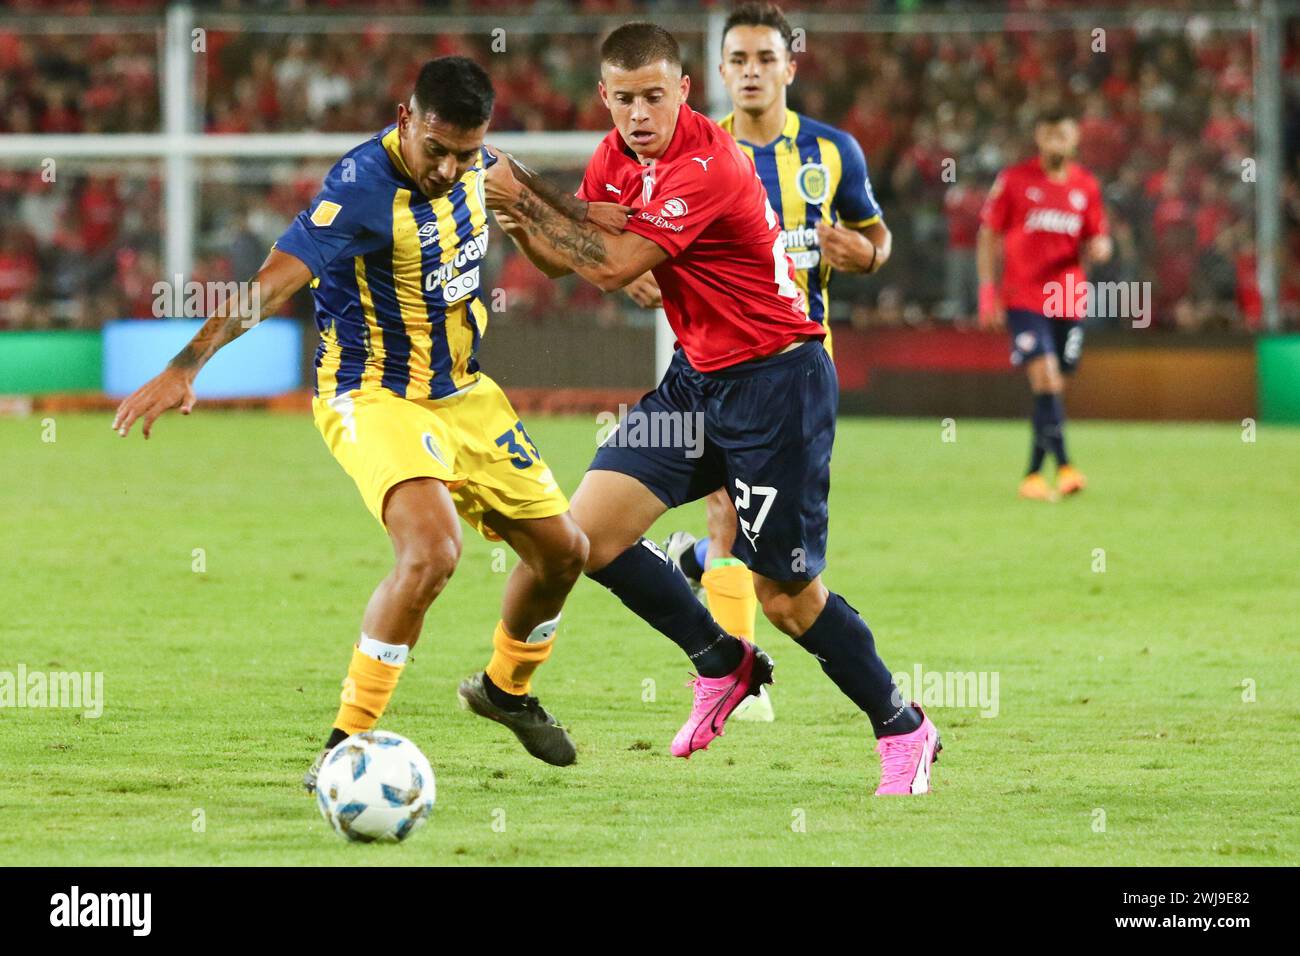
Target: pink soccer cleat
pixel 905 759
pixel 717 697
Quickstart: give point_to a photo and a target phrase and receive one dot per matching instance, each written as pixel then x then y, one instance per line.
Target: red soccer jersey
pixel 727 285
pixel 1044 223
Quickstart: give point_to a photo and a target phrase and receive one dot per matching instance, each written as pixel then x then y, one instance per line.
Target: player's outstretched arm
pixel 280 277
pixel 607 261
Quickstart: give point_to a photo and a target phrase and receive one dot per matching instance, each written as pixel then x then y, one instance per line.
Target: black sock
pixel 842 643
pixel 1047 419
pixel 650 585
pixel 502 698
pixel 336 737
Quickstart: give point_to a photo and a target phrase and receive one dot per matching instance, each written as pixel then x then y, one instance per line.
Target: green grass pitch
pixel 1147 714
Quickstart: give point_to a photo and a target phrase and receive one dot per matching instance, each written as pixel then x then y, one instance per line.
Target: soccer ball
pixel 375 786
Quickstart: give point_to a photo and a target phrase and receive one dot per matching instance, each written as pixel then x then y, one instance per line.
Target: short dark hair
pixel 637 44
pixel 456 90
pixel 760 14
pixel 1051 115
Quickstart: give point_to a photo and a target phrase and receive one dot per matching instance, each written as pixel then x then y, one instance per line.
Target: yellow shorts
pixel 473 442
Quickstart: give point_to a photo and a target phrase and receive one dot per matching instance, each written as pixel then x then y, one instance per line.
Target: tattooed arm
pixel 280 277
pixel 573 207
pixel 607 261
pixel 608 215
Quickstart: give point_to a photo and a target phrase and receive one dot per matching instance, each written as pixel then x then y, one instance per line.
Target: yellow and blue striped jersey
pixel 396 275
pixel 812 172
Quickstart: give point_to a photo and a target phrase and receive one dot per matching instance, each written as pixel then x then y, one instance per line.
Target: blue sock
pixel 650 585
pixel 1049 431
pixel 843 645
pixel 702 553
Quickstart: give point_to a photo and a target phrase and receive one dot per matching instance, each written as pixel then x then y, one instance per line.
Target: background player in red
pixel 750 368
pixel 1044 218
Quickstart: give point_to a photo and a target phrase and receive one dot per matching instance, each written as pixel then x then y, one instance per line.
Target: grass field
pixel 1121 694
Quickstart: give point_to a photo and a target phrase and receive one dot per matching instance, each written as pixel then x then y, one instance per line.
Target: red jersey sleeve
pixel 997 208
pixel 688 196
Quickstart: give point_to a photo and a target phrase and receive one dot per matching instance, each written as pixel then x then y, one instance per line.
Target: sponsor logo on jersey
pixel 1054 220
pixel 673 208
pixel 325 213
pixel 805 259
pixel 813 183
pixel 456 287
pixel 461 286
pixel 800 237
pixel 660 221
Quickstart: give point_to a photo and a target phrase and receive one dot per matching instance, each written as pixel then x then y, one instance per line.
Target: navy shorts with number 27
pixel 763 430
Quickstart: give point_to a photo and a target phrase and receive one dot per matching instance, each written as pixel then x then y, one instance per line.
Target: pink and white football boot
pixel 717 697
pixel 905 759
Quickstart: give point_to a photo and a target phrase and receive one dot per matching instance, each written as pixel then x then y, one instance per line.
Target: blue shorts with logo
pixel 1034 334
pixel 763 430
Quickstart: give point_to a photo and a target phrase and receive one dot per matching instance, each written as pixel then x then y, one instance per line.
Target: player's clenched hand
pixel 500 188
pixel 844 249
pixel 171 388
pixel 610 216
pixel 644 291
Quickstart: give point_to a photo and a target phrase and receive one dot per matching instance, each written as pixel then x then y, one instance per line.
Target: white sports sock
pixel 382 652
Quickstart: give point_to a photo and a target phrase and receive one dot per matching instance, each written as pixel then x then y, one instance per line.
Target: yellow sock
pixel 513 662
pixel 366 692
pixel 732 600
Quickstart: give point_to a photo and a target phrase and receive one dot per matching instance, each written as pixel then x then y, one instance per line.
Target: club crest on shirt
pixel 813 182
pixel 1077 199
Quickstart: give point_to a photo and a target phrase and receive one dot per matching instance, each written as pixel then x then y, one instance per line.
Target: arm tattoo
pixel 220 329
pixel 571 206
pixel 577 244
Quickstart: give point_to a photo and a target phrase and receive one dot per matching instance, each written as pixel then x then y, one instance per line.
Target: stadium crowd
pixel 1166 124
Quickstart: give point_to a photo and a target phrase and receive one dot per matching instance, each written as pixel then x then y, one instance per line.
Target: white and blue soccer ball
pixel 375 786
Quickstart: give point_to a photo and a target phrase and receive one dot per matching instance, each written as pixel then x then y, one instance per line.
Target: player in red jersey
pixel 1047 216
pixel 750 377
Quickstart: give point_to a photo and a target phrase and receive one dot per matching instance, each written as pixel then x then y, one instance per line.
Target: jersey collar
pixel 393 148
pixel 789 131
pixel 687 134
